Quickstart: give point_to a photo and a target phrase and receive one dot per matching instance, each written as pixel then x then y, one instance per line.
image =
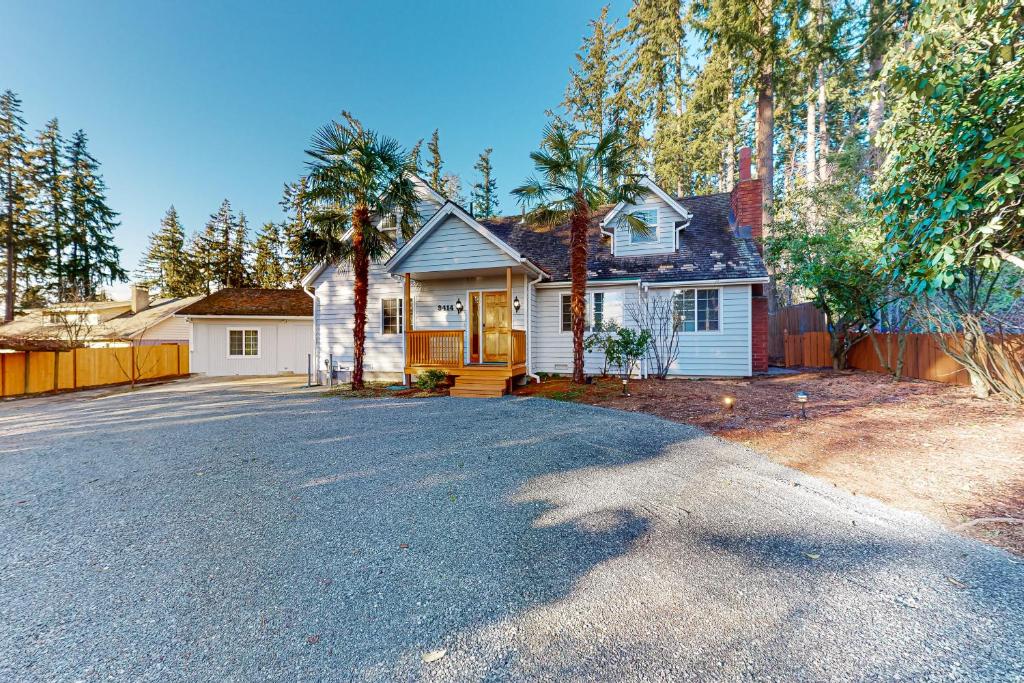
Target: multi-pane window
pixel 391 316
pixel 648 217
pixel 697 310
pixel 389 226
pixel 594 305
pixel 243 343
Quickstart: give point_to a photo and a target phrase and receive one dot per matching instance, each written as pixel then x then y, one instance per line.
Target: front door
pixel 488 327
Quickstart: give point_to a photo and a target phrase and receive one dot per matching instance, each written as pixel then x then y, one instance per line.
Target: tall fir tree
pixel 296 260
pixel 485 190
pixel 15 193
pixel 165 263
pixel 214 248
pixel 451 188
pixel 434 148
pixel 94 258
pixel 268 261
pixel 238 251
pixel 52 190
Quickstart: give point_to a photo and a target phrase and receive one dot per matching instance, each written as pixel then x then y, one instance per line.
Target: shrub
pixel 429 380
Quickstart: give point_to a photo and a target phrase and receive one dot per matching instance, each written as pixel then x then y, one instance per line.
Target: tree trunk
pixel 766 160
pixel 9 249
pixel 823 172
pixel 578 269
pixel 810 157
pixel 361 272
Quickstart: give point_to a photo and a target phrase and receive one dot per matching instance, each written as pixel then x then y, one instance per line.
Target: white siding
pixel 552 348
pixel 453 245
pixel 283 347
pixel 174 328
pixel 667 217
pixel 725 353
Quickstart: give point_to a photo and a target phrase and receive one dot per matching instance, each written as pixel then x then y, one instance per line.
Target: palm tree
pixel 355 176
pixel 572 179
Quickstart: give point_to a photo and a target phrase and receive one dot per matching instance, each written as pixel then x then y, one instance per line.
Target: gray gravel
pixel 208 531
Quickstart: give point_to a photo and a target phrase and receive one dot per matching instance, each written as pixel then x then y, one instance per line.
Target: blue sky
pixel 189 103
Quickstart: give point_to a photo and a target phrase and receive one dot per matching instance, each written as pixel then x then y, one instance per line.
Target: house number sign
pixel 446 307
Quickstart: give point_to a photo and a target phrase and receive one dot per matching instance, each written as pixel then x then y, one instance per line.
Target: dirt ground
pixel 922 446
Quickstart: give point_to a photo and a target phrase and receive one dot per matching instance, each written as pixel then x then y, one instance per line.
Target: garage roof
pixel 249 302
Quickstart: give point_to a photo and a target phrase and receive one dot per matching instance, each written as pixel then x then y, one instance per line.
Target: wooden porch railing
pixel 518 347
pixel 434 348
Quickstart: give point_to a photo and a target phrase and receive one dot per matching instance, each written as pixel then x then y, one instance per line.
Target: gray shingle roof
pixel 708 249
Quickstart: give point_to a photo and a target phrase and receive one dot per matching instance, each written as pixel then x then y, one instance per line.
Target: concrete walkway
pixel 244 531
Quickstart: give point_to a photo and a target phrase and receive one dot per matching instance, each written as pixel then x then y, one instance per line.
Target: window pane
pixel 598 320
pixel 391 316
pixel 252 342
pixel 650 219
pixel 235 342
pixel 566 313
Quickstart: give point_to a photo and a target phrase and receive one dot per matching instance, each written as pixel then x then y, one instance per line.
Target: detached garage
pixel 251 332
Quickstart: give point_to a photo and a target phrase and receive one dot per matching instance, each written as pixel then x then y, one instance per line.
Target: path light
pixel 801 398
pixel 516 304
pixel 459 306
pixel 729 402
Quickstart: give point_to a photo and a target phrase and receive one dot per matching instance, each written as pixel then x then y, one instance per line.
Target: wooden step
pixel 476 393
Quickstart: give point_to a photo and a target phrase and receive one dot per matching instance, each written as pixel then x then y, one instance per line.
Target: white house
pixel 488 299
pixel 250 332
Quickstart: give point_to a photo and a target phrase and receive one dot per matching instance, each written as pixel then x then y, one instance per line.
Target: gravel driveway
pixel 239 531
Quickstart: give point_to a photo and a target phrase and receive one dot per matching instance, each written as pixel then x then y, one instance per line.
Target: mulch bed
pixel 922 446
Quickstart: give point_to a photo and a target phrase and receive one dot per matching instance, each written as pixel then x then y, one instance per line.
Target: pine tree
pixel 15 193
pixel 296 261
pixel 95 259
pixel 238 251
pixel 414 154
pixel 434 148
pixel 52 190
pixel 451 188
pixel 214 247
pixel 485 191
pixel 165 264
pixel 268 263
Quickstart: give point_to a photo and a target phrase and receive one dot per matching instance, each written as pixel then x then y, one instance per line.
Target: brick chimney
pixel 140 298
pixel 746 214
pixel 746 201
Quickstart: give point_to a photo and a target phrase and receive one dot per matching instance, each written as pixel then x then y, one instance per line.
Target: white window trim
pixel 401 315
pixel 589 326
pixel 243 330
pixel 655 237
pixel 721 312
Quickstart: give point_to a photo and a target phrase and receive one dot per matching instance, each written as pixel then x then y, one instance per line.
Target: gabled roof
pixel 248 303
pixel 658 192
pixel 452 209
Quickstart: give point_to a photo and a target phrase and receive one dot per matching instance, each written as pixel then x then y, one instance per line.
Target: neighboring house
pixel 140 320
pixel 250 332
pixel 488 300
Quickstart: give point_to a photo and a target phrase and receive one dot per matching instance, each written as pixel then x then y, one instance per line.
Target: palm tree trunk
pixel 361 268
pixel 578 270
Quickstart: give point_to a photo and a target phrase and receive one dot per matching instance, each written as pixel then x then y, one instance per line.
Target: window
pixel 389 226
pixel 391 316
pixel 649 217
pixel 696 310
pixel 594 303
pixel 243 343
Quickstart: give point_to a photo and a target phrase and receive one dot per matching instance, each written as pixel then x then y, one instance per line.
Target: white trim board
pixel 660 193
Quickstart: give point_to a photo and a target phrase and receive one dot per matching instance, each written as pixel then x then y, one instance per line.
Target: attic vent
pixel 716 254
pixel 744 232
pixel 665 267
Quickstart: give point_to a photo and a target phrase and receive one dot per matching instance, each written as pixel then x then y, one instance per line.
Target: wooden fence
pixel 34 372
pixel 793 320
pixel 922 359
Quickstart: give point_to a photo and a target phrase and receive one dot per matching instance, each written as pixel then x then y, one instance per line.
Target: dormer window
pixel 648 217
pixel 389 226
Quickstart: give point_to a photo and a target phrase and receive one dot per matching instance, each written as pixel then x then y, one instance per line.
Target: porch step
pixel 471 386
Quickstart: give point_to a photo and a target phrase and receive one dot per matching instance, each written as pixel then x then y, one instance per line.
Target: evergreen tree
pixel 95 259
pixel 238 252
pixel 434 148
pixel 213 253
pixel 414 155
pixel 268 263
pixel 165 264
pixel 52 190
pixel 451 188
pixel 296 261
pixel 15 192
pixel 485 191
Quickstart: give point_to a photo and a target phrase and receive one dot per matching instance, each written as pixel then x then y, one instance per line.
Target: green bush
pixel 429 380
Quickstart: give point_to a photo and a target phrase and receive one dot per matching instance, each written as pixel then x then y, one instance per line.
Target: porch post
pixel 508 303
pixel 407 323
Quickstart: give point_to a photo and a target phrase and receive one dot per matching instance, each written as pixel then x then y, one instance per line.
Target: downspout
pixel 316 332
pixel 529 338
pixel 642 291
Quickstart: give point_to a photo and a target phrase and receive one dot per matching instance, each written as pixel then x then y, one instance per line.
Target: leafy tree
pixel 485 191
pixel 268 261
pixel 626 349
pixel 434 148
pixel 95 259
pixel 165 263
pixel 567 188
pixel 15 191
pixel 354 175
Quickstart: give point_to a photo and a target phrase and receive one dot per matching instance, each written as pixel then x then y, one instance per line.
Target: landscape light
pixel 516 304
pixel 728 402
pixel 458 306
pixel 801 398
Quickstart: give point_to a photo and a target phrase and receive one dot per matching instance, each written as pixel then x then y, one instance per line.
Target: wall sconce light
pixel 458 306
pixel 801 398
pixel 516 304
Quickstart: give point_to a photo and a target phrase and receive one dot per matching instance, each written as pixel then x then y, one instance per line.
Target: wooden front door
pixel 494 327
